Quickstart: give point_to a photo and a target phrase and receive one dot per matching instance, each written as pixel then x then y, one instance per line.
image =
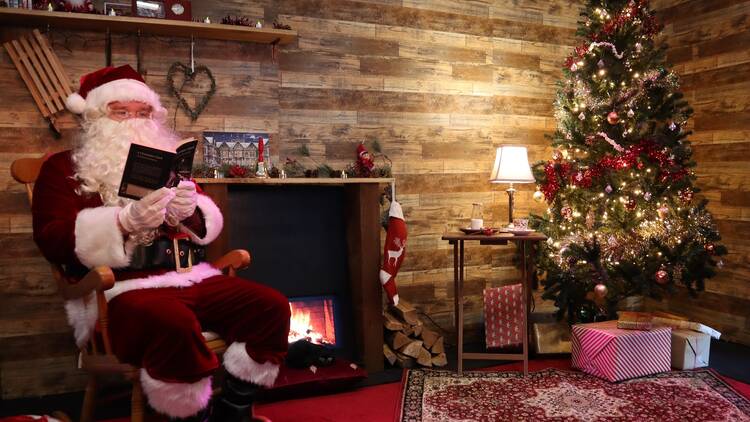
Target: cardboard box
pixel 551 337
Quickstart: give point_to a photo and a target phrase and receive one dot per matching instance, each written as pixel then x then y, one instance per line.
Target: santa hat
pixel 111 84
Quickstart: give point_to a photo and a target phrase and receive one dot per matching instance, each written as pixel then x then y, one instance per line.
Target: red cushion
pixel 293 382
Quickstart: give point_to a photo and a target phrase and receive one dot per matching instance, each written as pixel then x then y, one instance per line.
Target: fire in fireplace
pixel 313 319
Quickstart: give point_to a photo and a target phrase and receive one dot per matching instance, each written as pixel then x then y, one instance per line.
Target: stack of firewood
pixel 408 342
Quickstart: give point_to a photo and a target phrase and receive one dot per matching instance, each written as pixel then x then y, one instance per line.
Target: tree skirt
pixel 558 395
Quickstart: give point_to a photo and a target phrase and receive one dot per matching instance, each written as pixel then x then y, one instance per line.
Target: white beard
pixel 100 155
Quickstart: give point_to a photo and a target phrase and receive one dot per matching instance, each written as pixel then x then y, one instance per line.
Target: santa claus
pixel 156 312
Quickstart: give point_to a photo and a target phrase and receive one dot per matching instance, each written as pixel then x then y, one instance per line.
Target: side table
pixel 457 240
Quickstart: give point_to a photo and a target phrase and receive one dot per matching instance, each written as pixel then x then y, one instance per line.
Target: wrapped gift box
pixel 551 337
pixel 603 350
pixel 690 349
pixel 503 316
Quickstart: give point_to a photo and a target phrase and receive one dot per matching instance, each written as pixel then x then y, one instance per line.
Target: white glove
pixel 146 213
pixel 183 204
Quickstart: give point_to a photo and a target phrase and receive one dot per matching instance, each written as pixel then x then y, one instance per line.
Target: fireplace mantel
pixel 293 181
pixel 362 224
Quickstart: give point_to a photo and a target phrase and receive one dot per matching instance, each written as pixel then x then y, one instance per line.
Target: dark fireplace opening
pixel 297 238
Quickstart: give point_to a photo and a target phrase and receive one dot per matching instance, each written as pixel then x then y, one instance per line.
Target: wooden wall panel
pixel 708 48
pixel 438 83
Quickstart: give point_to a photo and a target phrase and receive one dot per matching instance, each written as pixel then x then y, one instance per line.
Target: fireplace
pixel 314 319
pixel 313 240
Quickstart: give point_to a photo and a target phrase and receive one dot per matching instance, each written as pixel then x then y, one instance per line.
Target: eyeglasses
pixel 123 114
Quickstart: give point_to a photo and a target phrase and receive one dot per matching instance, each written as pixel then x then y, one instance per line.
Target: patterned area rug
pixel 559 395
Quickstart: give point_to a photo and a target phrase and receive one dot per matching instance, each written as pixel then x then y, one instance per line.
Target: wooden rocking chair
pixel 96 358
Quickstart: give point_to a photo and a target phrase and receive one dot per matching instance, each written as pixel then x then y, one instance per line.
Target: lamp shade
pixel 511 166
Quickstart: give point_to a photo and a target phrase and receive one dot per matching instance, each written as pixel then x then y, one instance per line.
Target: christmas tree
pixel 623 219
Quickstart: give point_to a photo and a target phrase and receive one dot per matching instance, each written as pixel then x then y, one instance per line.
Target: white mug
pixel 476 223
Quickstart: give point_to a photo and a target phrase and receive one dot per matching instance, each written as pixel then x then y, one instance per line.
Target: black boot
pixel 201 416
pixel 235 403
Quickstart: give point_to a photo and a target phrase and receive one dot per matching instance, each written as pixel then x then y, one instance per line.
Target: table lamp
pixel 511 166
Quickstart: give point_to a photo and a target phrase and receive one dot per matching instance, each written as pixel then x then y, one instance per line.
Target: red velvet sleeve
pixel 54 210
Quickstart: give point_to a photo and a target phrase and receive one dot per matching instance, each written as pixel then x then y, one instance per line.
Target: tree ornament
pixel 720 263
pixel 557 155
pixel 661 276
pixel 638 47
pixel 710 247
pixel 647 196
pixel 590 218
pixel 631 113
pixel 573 67
pixel 672 126
pixel 630 204
pixel 685 195
pixel 600 290
pixel 613 118
pixel 600 63
pixel 538 196
pixel 608 189
pixel 582 116
pixel 662 211
pixel 567 213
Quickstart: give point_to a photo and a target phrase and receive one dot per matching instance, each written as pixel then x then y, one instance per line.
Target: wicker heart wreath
pixel 189 77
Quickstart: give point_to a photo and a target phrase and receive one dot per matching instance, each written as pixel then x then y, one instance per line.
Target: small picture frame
pixel 149 9
pixel 118 9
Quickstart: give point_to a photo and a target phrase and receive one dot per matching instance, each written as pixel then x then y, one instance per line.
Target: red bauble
pixel 557 155
pixel 710 247
pixel 662 277
pixel 613 118
pixel 600 290
pixel 686 195
pixel 630 204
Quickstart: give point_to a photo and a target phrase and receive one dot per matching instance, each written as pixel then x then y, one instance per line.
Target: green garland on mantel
pixel 190 76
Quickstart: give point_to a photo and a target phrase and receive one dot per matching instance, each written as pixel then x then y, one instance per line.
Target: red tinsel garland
pixel 584 177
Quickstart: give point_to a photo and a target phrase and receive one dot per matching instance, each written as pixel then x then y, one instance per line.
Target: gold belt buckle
pixel 178 266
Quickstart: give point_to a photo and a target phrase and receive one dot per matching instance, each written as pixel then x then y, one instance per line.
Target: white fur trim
pixel 213 219
pixel 242 366
pixel 396 211
pixel 121 90
pixel 178 400
pixel 75 103
pixel 98 239
pixel 395 300
pixel 384 277
pixel 82 313
pixel 171 279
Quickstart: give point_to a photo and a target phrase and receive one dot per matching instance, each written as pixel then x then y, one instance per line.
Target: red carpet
pixel 381 403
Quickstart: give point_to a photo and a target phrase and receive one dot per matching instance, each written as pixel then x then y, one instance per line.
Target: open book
pixel 148 169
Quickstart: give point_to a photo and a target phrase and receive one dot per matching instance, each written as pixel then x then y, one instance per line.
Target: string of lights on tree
pixel 623 219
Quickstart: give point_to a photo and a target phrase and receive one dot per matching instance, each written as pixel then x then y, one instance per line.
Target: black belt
pixel 174 252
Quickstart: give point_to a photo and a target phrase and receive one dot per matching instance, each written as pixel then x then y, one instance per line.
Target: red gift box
pixel 603 350
pixel 503 316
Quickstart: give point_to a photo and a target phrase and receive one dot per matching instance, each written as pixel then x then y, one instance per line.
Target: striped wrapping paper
pixel 603 350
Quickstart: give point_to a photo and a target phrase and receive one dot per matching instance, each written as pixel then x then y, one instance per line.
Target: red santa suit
pixel 157 315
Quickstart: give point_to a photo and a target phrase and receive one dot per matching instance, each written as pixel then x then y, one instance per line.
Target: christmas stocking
pixel 393 253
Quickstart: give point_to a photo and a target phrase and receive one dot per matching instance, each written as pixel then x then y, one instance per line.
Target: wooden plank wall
pixel 438 83
pixel 709 50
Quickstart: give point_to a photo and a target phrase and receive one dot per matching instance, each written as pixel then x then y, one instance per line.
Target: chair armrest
pixel 234 260
pixel 98 279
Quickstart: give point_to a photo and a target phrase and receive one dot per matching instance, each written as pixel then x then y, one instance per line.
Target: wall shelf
pixel 165 27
